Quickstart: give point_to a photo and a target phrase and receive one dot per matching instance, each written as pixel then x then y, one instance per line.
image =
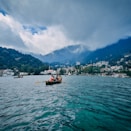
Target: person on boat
pixel 58 78
pixel 52 78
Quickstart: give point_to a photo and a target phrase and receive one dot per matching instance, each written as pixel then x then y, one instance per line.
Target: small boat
pixel 19 76
pixel 53 82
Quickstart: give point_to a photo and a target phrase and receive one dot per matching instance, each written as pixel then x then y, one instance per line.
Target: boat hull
pixel 53 82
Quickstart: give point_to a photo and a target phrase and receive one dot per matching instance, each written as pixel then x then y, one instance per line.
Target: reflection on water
pixel 80 103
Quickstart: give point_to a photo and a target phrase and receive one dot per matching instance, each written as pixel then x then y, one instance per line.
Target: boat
pixel 19 76
pixel 53 82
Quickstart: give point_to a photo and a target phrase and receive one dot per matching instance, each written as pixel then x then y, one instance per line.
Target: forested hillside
pixel 12 59
pixel 112 52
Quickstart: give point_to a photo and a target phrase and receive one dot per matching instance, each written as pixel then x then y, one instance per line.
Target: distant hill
pixel 72 54
pixel 10 58
pixel 111 52
pixel 67 55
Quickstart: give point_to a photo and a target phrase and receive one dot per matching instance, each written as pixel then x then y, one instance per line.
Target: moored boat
pixel 19 76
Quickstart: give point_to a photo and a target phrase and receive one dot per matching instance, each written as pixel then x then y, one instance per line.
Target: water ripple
pixel 80 103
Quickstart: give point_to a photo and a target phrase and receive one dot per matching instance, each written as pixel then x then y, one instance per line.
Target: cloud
pixel 8 36
pixel 45 41
pixel 93 24
pixel 31 39
pixel 34 30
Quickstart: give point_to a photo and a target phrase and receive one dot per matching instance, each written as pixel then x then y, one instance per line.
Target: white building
pixel 116 68
pixel 8 72
pixel 101 63
pixel 47 72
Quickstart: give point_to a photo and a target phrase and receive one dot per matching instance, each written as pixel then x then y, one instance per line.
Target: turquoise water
pixel 80 103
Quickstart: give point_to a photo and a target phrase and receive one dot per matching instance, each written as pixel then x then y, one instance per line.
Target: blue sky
pixel 3 12
pixel 34 30
pixel 42 26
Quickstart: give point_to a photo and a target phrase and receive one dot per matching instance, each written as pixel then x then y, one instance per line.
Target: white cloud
pixel 93 24
pixel 44 41
pixel 9 37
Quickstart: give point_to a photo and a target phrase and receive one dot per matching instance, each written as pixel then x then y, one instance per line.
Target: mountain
pixel 72 54
pixel 67 55
pixel 111 52
pixel 10 58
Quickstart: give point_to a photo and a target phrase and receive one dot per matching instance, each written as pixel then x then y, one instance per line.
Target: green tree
pixel 62 71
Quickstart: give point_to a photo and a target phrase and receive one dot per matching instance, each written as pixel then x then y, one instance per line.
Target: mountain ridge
pixel 112 51
pixel 12 59
pixel 67 54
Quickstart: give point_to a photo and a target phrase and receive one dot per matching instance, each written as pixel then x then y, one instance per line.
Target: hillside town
pixel 120 68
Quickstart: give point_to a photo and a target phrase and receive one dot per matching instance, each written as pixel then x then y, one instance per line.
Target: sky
pixel 42 26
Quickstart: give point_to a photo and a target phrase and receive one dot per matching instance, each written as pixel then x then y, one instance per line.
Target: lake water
pixel 80 103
